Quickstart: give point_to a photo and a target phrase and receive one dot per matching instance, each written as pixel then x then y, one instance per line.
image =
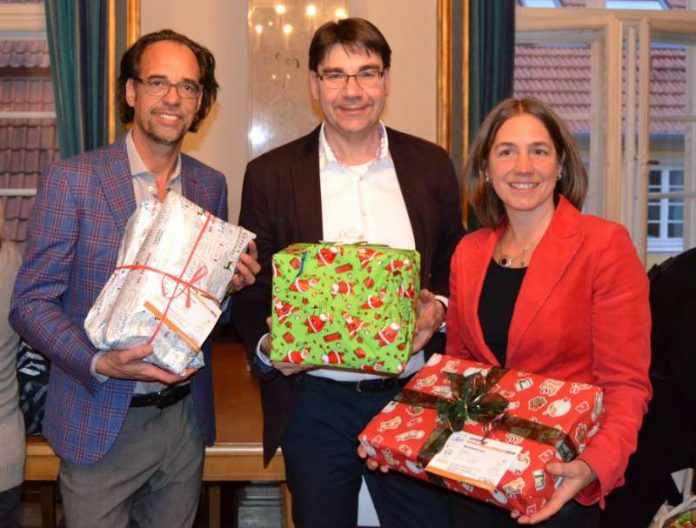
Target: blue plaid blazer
pixel 77 223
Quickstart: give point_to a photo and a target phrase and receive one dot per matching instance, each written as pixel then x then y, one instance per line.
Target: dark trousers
pixel 324 472
pixel 468 512
pixel 9 507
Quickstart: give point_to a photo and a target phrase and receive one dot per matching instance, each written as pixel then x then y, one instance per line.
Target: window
pixel 625 82
pixel 28 141
pixel 635 4
pixel 665 214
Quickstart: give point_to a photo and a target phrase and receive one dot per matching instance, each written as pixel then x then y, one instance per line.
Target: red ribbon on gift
pixel 187 286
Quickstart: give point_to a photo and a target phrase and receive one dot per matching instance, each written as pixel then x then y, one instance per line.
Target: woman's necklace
pixel 521 259
pixel 507 261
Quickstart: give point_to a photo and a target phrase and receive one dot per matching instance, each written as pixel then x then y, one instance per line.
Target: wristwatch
pixel 443 325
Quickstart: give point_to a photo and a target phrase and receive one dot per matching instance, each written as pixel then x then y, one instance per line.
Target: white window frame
pixel 618 174
pixel 22 22
pixel 664 243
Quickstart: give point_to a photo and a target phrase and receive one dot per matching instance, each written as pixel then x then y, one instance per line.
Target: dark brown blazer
pixel 281 203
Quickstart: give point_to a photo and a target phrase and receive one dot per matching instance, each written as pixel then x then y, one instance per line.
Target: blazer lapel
pixel 413 190
pixel 307 189
pixel 551 258
pixel 117 185
pixel 477 267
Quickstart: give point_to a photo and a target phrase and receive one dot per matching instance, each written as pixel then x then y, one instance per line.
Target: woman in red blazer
pixel 544 288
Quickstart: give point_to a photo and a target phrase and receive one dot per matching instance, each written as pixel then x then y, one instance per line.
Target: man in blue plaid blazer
pixel 130 435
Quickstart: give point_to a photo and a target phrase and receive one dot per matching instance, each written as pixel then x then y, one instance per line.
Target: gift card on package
pixel 346 306
pixel 174 268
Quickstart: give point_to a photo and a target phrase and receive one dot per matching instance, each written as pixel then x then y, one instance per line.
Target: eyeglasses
pixel 364 78
pixel 160 87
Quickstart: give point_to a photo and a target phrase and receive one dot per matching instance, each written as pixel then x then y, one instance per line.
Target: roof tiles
pixel 27 145
pixel 560 76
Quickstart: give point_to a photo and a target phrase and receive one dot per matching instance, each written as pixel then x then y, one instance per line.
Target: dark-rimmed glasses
pixel 339 79
pixel 159 87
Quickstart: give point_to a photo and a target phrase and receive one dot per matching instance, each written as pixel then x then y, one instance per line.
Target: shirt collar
pixel 137 165
pixel 327 155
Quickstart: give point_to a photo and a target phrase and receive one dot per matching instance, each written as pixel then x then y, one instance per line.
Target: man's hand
pixel 430 314
pixel 247 268
pixel 286 369
pixel 129 364
pixel 576 476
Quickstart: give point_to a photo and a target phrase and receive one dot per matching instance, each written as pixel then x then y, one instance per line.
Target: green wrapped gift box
pixel 345 306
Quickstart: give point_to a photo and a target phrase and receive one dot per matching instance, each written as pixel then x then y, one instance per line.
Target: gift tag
pixel 472 459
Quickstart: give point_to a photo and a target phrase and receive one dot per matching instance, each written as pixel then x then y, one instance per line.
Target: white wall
pixel 221 26
pixel 408 25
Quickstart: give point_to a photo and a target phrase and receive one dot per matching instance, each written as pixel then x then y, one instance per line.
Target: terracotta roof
pixel 672 4
pixel 27 146
pixel 560 76
pixel 24 53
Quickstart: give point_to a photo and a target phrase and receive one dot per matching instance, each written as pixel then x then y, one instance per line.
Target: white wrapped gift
pixel 174 268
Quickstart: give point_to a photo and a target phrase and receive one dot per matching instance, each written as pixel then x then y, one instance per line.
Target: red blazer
pixel 582 315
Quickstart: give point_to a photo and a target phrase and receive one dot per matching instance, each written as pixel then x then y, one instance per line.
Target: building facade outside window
pixel 28 141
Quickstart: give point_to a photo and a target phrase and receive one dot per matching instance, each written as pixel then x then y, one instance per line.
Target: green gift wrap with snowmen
pixel 348 306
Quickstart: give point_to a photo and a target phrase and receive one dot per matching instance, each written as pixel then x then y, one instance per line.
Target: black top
pixel 498 295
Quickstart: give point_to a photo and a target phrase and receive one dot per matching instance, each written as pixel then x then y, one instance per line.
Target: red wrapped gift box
pixel 549 420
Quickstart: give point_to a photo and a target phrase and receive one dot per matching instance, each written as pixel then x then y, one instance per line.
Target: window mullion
pixel 642 173
pixel 612 170
pixel 690 152
pixel 628 191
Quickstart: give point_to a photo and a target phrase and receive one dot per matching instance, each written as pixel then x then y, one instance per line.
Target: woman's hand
pixel 371 462
pixel 576 476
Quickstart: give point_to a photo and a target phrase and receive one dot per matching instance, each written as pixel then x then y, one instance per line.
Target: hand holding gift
pixel 576 476
pixel 247 268
pixel 430 314
pixel 131 364
pixel 286 368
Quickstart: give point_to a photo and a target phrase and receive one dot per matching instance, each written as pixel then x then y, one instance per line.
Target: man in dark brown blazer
pixel 351 179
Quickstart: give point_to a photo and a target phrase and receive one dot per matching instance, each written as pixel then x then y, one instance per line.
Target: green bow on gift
pixel 471 399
